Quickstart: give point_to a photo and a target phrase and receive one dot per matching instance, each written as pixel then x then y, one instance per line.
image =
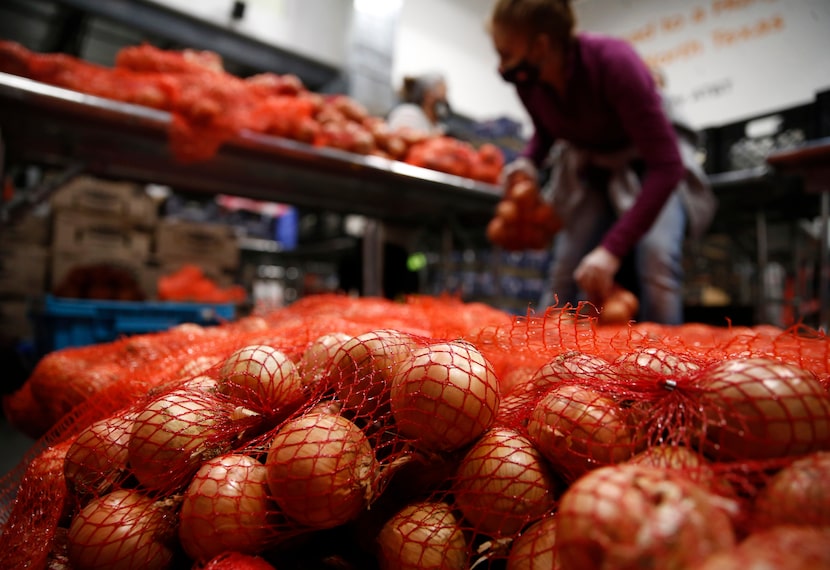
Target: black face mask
pixel 442 109
pixel 523 73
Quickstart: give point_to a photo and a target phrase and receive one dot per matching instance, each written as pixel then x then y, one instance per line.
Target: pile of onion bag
pixel 210 107
pixel 348 433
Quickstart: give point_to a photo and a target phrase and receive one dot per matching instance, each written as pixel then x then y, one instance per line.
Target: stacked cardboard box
pixel 212 247
pixel 23 264
pixel 101 223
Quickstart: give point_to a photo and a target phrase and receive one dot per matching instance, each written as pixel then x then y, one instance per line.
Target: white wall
pixel 450 36
pixel 313 28
pixel 725 60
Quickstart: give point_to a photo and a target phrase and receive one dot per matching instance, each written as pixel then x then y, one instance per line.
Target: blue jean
pixel 658 257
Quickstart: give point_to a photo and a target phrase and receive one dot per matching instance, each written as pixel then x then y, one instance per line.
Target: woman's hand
pixel 521 168
pixel 595 273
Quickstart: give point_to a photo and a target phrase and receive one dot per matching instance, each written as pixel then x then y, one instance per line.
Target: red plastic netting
pixel 361 433
pixel 210 107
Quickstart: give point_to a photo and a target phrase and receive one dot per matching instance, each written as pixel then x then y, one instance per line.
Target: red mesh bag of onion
pixel 359 434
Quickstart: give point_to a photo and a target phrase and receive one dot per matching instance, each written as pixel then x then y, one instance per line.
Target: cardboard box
pixel 207 245
pixel 117 200
pixel 98 235
pixel 32 229
pixel 64 263
pixel 14 320
pixel 23 269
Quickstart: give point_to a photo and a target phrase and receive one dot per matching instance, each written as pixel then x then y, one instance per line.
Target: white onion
pixel 423 536
pixel 321 470
pixel 124 530
pixel 226 508
pixel 503 483
pixel 635 516
pixel 261 376
pixel 445 395
pixel 172 435
pixel 98 456
pixel 760 408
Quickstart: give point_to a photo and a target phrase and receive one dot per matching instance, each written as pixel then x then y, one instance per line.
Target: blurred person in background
pixel 423 106
pixel 618 180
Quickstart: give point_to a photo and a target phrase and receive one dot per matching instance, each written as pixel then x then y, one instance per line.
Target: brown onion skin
pixel 321 470
pixel 760 408
pixel 445 396
pixel 619 307
pixel 503 483
pixel 226 507
pixel 783 547
pixel 798 494
pixel 123 530
pixel 578 429
pixel 627 517
pixel 98 456
pixel 172 435
pixel 657 360
pixel 535 547
pixel 261 376
pixel 236 561
pixel 566 367
pixel 316 359
pixel 679 458
pixel 423 536
pixel 363 367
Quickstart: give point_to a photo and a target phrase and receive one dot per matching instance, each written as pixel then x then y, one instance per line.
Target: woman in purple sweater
pixel 618 180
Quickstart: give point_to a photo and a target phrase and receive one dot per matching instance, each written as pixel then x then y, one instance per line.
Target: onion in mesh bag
pixel 363 366
pixel 655 359
pixel 321 470
pixel 503 483
pixel 578 429
pixel 173 434
pixel 691 464
pixel 798 494
pixel 98 456
pixel 262 376
pixel 626 517
pixel 445 395
pixel 226 508
pixel 535 547
pixel 423 536
pixel 782 547
pixel 123 530
pixel 565 367
pixel 760 408
pixel 237 561
pixel 317 357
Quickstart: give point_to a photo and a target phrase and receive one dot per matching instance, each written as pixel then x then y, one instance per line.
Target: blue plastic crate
pixel 62 323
